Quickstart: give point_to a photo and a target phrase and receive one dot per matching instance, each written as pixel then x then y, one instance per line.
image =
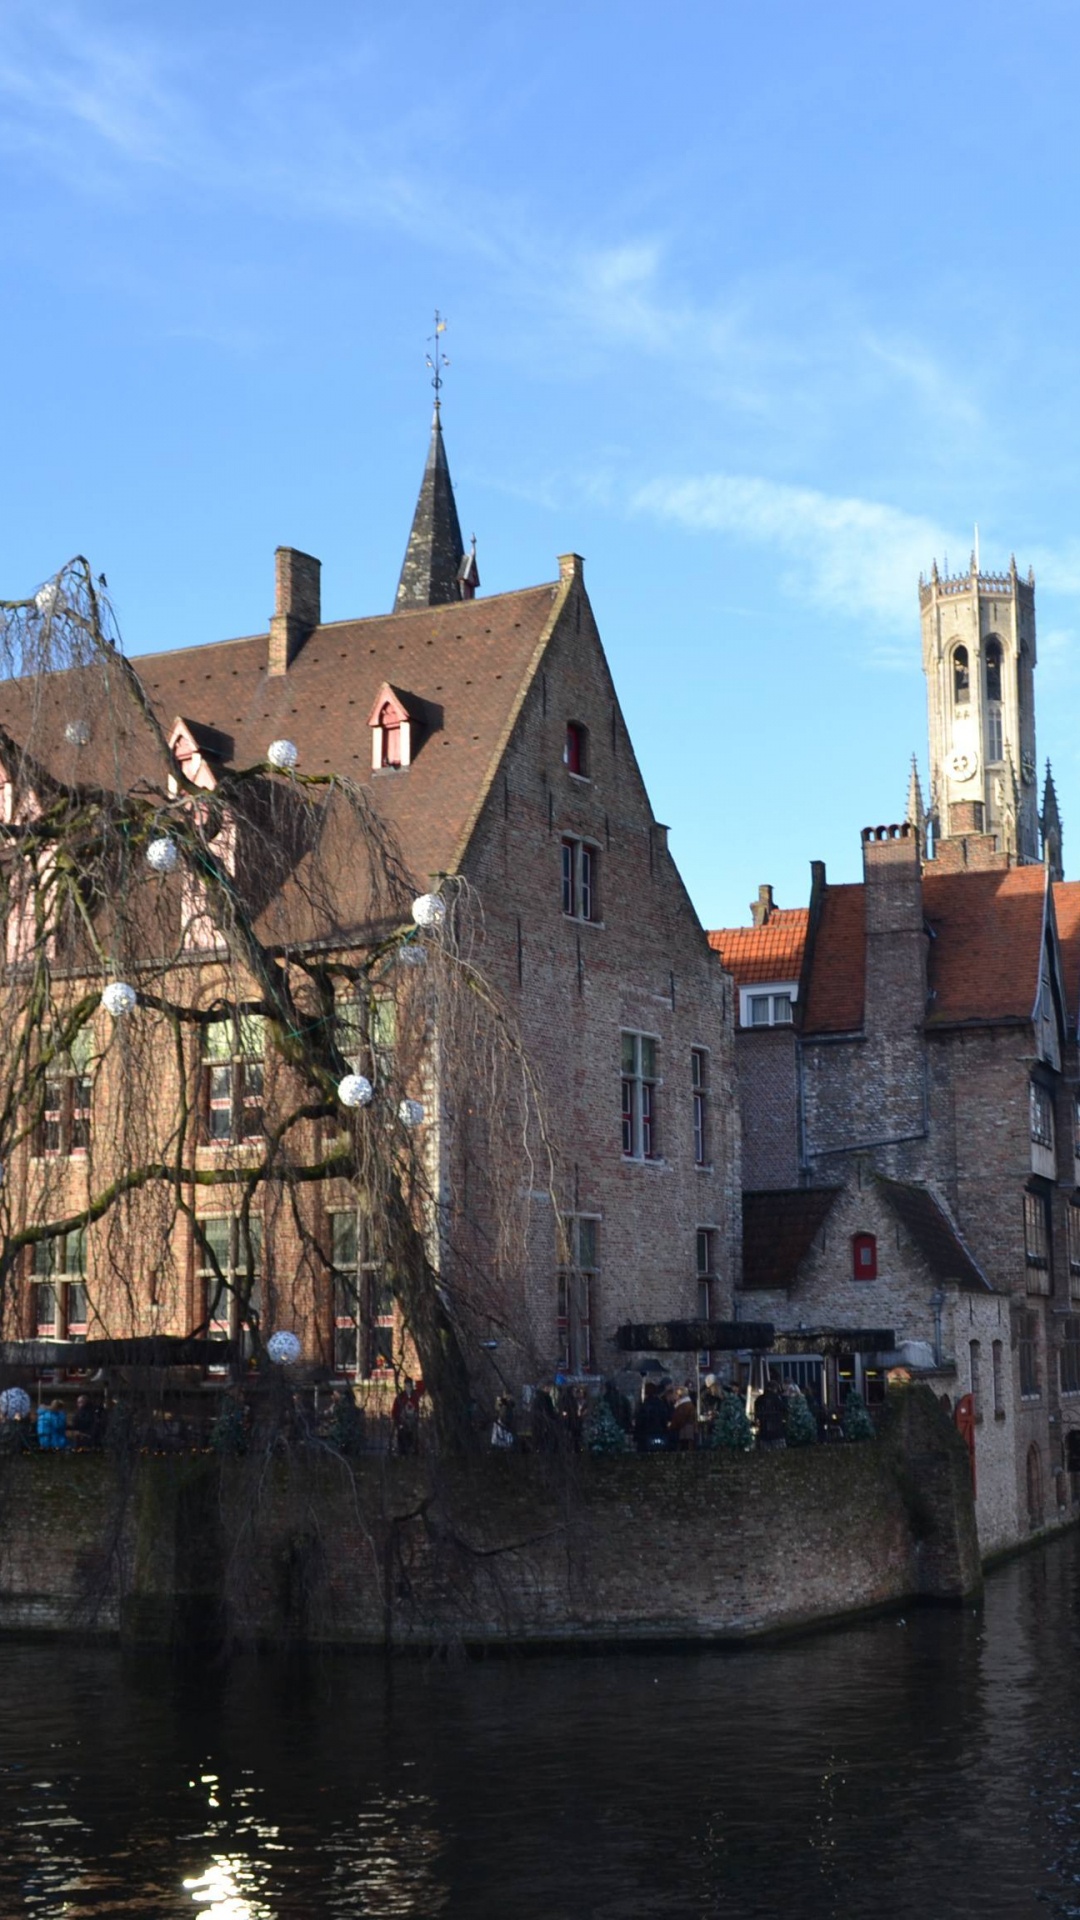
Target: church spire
pixel 430 573
pixel 915 814
pixel 1050 823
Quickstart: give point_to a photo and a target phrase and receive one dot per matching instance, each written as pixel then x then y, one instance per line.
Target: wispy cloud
pixel 838 552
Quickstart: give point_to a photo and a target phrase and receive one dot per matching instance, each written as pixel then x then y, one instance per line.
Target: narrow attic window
pixel 389 728
pixel 576 749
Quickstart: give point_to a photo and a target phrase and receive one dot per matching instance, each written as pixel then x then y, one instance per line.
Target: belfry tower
pixel 978 637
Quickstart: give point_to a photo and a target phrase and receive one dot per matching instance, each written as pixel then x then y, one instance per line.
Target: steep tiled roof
pixel 934 1234
pixel 834 998
pixel 986 955
pixel 463 666
pixel 1067 914
pixel 771 952
pixel 778 1230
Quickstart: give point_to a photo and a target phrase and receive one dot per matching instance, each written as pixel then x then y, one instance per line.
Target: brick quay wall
pixel 512 1550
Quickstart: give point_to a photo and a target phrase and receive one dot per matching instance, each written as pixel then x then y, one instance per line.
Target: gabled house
pixel 487 739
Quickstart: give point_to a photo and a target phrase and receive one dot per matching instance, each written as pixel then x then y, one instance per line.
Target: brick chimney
pixel 895 931
pixel 763 908
pixel 297 606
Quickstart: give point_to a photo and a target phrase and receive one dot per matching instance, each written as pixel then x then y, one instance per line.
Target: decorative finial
pixel 975 567
pixel 437 359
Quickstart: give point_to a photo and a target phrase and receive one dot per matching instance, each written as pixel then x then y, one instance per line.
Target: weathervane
pixel 437 359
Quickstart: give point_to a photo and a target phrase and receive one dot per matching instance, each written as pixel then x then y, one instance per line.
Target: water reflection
pixel 929 1765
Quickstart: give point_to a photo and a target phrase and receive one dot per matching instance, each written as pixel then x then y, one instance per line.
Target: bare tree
pixel 263 918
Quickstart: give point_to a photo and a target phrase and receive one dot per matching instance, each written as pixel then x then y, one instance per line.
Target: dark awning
pixel 690 1336
pixel 834 1340
pixel 153 1350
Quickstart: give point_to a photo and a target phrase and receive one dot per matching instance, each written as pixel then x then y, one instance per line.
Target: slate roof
pixel 779 1229
pixel 1067 914
pixel 434 555
pixel 929 1226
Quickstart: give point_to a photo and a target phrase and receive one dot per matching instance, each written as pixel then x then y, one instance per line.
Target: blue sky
pixel 758 306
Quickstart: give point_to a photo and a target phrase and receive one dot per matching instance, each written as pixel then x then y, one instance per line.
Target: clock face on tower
pixel 963 763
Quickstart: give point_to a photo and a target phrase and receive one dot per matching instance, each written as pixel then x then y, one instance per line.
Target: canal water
pixel 926 1765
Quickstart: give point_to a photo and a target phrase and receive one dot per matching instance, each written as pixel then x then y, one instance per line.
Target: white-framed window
pixel 640 1081
pixel 580 870
pixel 59 1282
pixel 63 1129
pixel 771 1004
pixel 231 1083
pixel 1042 1115
pixel 575 1292
pixel 229 1264
pixel 363 1300
pixel 699 1094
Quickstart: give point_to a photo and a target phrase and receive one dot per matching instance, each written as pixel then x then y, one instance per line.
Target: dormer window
pixel 576 749
pixel 392 730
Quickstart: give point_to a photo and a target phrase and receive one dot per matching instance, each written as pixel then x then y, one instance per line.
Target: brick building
pixel 908 1081
pixel 488 738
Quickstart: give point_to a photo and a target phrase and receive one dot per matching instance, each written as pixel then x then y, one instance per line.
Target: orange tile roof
pixel 771 952
pixel 834 999
pixel 985 959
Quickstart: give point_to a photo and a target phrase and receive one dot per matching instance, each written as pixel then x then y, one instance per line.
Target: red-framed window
pixel 864 1256
pixel 576 748
pixel 699 1070
pixel 390 725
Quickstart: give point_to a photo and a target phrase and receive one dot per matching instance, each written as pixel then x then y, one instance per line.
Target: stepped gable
pixel 837 984
pixel 985 959
pixel 463 667
pixel 779 1228
pixel 929 1226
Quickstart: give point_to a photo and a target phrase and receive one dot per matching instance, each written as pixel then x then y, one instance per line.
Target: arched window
pixel 961 677
pixel 993 668
pixel 863 1256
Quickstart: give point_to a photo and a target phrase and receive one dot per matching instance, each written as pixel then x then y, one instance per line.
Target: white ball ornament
pixel 429 910
pixel 283 754
pixel 354 1090
pixel 283 1349
pixel 76 733
pixel 163 855
pixel 118 999
pixel 14 1401
pixel 410 1113
pixel 46 597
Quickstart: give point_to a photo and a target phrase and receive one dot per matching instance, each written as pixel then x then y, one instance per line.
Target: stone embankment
pixel 501 1550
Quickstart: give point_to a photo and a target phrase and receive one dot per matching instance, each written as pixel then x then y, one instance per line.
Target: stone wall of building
pixel 506 1548
pixel 641 965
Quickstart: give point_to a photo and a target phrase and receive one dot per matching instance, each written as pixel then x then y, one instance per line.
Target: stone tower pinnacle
pixel 434 555
pixel 1050 822
pixel 978 637
pixel 915 811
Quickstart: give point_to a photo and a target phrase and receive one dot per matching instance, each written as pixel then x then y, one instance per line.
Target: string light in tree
pixel 355 1090
pixel 283 754
pixel 410 1113
pixel 119 999
pixel 163 854
pixel 283 1349
pixel 411 955
pixel 429 910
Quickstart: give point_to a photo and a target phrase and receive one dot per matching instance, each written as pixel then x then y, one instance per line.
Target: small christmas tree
pixel 857 1423
pixel 800 1427
pixel 603 1433
pixel 731 1429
